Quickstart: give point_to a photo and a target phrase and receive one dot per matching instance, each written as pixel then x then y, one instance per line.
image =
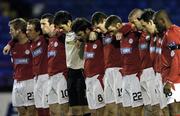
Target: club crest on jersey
pixel 37 52
pixel 126 50
pixel 172 53
pixel 27 52
pixel 39 43
pixel 21 61
pixel 107 40
pixel 89 55
pixel 55 44
pixel 147 37
pixel 94 46
pixel 130 40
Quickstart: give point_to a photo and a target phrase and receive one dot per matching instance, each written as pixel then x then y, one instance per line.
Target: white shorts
pixel 22 93
pixel 131 91
pixel 160 86
pixel 113 85
pixel 41 91
pixel 175 95
pixel 94 92
pixel 57 89
pixel 149 87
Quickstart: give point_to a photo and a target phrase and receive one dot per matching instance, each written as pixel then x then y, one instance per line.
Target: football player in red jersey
pixel 170 66
pixel 40 63
pixel 113 63
pixel 57 69
pixel 23 87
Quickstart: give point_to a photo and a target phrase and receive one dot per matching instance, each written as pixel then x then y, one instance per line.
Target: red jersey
pixel 170 65
pixel 144 51
pixel 56 55
pixel 94 58
pixel 39 53
pixel 112 54
pixel 130 50
pixel 22 61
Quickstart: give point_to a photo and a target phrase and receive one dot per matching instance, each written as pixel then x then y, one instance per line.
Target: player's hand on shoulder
pixel 6 49
pixel 119 36
pixel 92 36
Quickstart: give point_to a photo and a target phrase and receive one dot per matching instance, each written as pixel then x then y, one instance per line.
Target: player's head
pixel 98 21
pixel 161 20
pixel 17 27
pixel 147 21
pixel 113 23
pixel 82 28
pixel 33 28
pixel 47 24
pixel 134 16
pixel 63 20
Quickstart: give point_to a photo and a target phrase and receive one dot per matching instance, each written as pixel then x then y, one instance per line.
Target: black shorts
pixel 76 87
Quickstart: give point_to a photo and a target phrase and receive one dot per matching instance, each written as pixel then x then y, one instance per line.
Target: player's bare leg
pixel 100 111
pixel 22 111
pixel 174 109
pixel 120 110
pixel 58 109
pixel 127 111
pixel 75 111
pixel 165 111
pixel 136 111
pixel 111 109
pixel 152 110
pixel 32 111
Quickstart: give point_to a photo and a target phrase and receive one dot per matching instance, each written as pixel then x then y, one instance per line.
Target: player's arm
pixel 8 47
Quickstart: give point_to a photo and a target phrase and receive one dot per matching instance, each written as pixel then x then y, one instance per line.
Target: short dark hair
pixel 48 16
pixel 36 23
pixel 98 17
pixel 19 23
pixel 80 24
pixel 62 17
pixel 147 15
pixel 112 19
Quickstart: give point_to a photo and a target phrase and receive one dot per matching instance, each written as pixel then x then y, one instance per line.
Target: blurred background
pixel 10 9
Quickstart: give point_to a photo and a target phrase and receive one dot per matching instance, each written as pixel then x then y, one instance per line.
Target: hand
pixel 167 88
pixel 92 36
pixel 119 36
pixel 6 49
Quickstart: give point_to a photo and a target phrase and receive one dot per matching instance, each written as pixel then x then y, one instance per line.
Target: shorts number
pixel 169 94
pixel 119 92
pixel 64 93
pixel 30 96
pixel 100 98
pixel 137 96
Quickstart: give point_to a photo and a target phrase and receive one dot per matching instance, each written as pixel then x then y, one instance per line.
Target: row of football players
pixel 114 68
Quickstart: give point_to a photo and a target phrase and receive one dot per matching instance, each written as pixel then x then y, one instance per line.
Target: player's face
pixel 112 29
pixel 100 27
pixel 31 32
pixel 159 25
pixel 148 26
pixel 135 20
pixel 82 35
pixel 45 26
pixel 14 33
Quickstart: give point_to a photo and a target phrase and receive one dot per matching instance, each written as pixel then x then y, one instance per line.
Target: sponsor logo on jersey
pixel 152 49
pixel 55 44
pixel 126 50
pixel 39 43
pixel 158 50
pixel 21 61
pixel 143 46
pixel 52 53
pixel 107 40
pixel 37 52
pixel 172 53
pixel 147 37
pixel 89 55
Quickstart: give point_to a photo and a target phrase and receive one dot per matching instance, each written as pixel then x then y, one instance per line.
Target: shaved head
pixel 134 14
pixel 161 20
